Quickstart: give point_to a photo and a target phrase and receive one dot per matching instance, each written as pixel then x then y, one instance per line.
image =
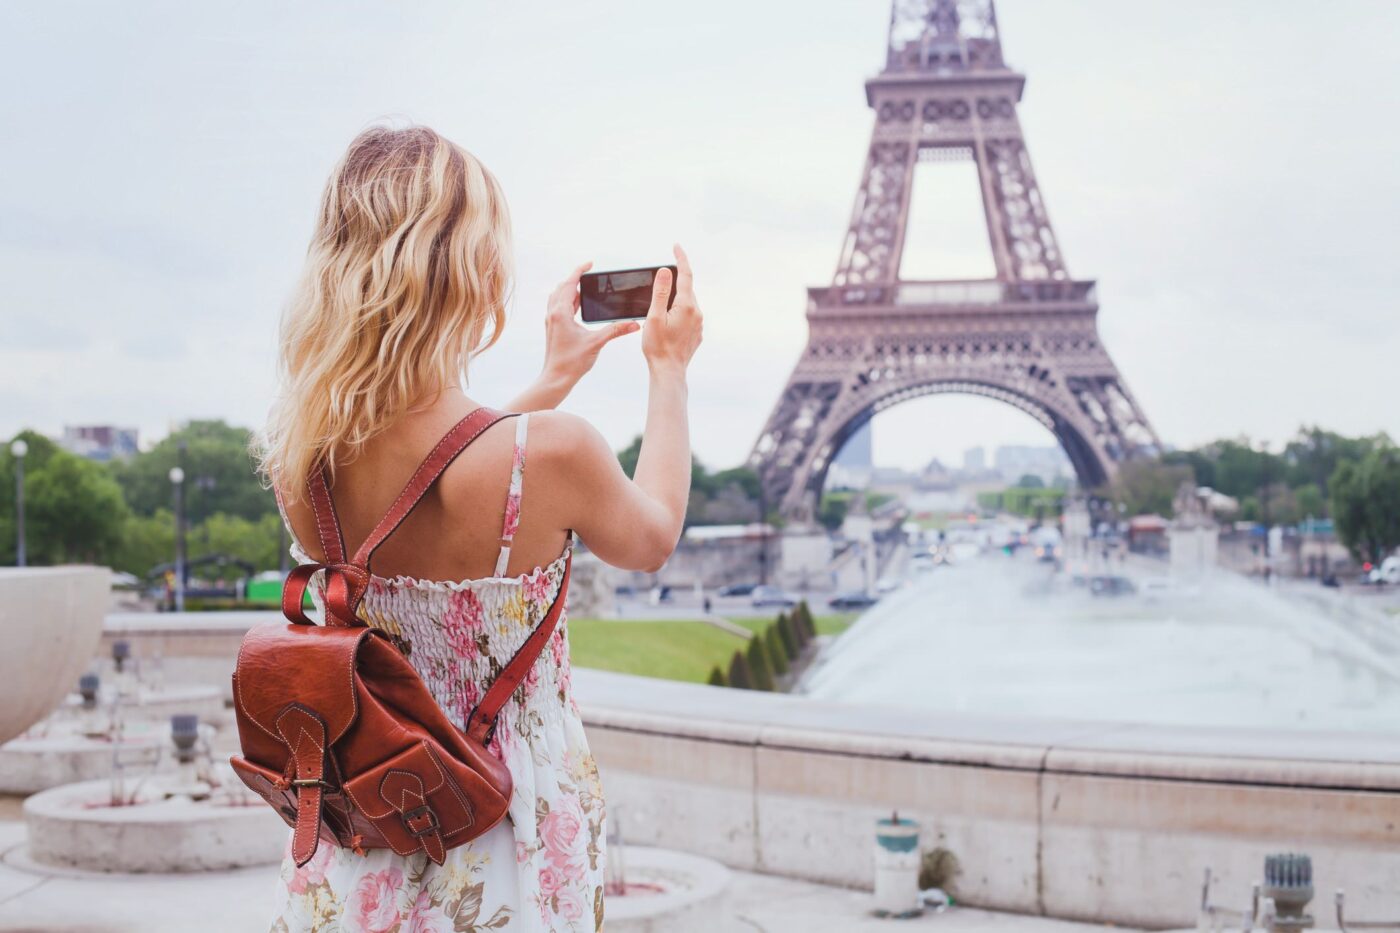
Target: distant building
pixel 99 441
pixel 1049 463
pixel 975 460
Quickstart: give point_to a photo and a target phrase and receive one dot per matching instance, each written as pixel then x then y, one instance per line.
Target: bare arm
pixel 570 349
pixel 635 524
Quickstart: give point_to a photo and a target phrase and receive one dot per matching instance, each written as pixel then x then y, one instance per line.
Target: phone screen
pixel 619 295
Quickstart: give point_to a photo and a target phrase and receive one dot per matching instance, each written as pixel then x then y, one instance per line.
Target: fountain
pixel 101 730
pixel 653 890
pixel 197 818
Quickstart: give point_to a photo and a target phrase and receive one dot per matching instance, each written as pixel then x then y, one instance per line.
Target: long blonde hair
pixel 406 278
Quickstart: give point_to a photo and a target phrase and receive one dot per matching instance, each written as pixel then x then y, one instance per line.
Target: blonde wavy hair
pixel 407 277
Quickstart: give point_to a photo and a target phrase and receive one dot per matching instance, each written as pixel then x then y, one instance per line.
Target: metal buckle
pixel 419 813
pixel 310 782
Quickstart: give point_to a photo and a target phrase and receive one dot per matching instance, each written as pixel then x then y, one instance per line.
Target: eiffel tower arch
pixel 1027 337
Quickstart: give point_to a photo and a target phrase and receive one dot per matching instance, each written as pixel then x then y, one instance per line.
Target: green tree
pixel 777 654
pixel 739 674
pixel 74 511
pixel 146 540
pixel 1030 481
pixel 832 511
pixel 1310 501
pixel 1147 487
pixel 1365 498
pixel 257 542
pixel 220 474
pixel 716 678
pixel 1241 469
pixel 1314 455
pixel 41 449
pixel 759 664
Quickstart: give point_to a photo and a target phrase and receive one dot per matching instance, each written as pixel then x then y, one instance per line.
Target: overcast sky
pixel 1226 170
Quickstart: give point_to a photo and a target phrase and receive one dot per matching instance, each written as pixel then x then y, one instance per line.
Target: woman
pixel 406 280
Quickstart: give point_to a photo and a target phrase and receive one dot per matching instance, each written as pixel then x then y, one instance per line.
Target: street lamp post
pixel 19 449
pixel 177 480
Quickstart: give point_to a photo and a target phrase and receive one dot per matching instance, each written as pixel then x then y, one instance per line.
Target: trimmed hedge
pixel 760 664
pixel 788 637
pixel 773 639
pixel 717 677
pixel 739 674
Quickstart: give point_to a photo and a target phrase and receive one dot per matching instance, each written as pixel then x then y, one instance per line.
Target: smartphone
pixel 622 295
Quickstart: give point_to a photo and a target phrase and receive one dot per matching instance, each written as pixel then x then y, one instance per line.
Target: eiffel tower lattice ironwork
pixel 1027 337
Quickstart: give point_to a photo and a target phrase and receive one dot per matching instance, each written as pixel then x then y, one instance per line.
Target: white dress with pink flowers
pixel 539 870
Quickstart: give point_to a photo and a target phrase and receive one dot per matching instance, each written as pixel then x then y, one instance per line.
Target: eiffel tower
pixel 1027 337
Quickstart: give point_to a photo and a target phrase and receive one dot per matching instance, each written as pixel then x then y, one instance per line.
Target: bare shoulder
pixel 559 437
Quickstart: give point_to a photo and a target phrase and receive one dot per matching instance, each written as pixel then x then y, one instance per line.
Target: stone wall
pixel 1102 822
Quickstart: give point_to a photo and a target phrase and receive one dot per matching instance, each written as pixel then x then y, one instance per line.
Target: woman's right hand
pixel 670 338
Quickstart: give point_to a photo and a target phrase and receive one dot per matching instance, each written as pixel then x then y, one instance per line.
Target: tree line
pixel 121 513
pixel 1319 474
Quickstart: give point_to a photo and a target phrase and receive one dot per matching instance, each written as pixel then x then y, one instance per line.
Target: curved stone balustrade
pixel 1093 821
pixel 51 619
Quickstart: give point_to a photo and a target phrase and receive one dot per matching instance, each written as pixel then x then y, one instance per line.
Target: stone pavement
pixel 56 901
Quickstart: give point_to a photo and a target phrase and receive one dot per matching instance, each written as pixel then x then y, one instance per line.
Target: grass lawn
pixel 667 649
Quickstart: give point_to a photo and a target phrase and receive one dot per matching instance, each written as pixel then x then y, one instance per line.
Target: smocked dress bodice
pixel 542 869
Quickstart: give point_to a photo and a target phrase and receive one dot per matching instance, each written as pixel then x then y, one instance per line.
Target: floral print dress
pixel 542 868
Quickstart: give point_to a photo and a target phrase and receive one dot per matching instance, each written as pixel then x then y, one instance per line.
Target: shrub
pixel 773 641
pixel 739 674
pixel 717 677
pixel 799 634
pixel 791 645
pixel 759 664
pixel 805 613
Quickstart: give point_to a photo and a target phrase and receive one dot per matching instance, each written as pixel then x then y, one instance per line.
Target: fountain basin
pixel 74 826
pixel 670 892
pixel 52 620
pixel 64 755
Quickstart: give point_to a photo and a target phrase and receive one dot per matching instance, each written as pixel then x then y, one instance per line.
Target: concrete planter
pixel 52 620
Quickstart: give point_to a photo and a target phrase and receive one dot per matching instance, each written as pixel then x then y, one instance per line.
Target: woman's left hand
pixel 570 349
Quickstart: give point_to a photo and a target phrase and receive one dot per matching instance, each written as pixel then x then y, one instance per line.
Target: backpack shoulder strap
pixel 481 724
pixel 439 458
pixel 346 582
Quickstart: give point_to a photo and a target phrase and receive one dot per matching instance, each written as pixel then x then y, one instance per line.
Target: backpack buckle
pixel 420 821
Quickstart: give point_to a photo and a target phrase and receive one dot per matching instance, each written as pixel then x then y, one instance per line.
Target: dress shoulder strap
pixel 511 523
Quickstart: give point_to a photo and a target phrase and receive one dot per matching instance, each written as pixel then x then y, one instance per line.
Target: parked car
pixel 1111 586
pixel 771 596
pixel 853 601
pixel 1387 572
pixel 736 589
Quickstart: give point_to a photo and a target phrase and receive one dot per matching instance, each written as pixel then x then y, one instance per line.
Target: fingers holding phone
pixel 673 327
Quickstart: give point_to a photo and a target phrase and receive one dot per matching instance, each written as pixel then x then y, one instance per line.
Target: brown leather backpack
pixel 340 734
